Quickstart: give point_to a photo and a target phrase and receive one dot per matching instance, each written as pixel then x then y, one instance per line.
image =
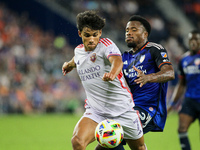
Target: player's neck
pixel 195 52
pixel 139 46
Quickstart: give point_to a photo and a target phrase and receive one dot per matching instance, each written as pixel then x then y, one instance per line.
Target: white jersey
pixel 110 98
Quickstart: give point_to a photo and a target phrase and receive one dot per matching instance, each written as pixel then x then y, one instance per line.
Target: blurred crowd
pixel 191 8
pixel 31 79
pixel 30 68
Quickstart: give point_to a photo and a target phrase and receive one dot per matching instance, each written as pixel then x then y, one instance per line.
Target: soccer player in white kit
pixel 99 64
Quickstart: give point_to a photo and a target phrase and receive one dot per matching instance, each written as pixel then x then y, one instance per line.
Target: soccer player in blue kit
pixel 147 70
pixel 189 82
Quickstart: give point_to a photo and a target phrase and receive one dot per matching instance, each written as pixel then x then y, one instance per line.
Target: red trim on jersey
pixel 164 63
pixel 108 40
pixel 85 103
pixel 119 76
pixel 80 46
pixel 113 55
pixel 138 113
pixel 105 41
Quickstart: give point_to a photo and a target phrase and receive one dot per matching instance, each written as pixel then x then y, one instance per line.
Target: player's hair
pixel 195 31
pixel 90 19
pixel 143 21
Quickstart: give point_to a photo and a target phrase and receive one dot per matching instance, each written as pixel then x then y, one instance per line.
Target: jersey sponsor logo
pixel 191 69
pixel 93 57
pixel 142 58
pixel 163 54
pixel 132 73
pixel 89 73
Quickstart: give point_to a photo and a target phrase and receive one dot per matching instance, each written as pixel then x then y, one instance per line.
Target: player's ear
pixel 100 32
pixel 145 34
pixel 79 33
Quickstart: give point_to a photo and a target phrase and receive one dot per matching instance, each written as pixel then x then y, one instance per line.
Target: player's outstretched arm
pixel 178 92
pixel 116 67
pixel 165 74
pixel 68 66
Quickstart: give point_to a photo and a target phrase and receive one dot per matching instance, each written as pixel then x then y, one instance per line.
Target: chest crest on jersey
pixel 142 58
pixel 197 61
pixel 93 57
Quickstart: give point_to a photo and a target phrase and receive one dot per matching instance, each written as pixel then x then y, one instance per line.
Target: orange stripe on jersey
pixel 164 63
pixel 80 46
pixel 119 76
pixel 144 46
pixel 105 41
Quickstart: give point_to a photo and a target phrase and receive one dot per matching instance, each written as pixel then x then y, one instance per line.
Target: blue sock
pixel 119 147
pixel 184 141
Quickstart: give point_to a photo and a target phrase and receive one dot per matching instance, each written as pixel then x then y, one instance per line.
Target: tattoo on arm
pixel 165 74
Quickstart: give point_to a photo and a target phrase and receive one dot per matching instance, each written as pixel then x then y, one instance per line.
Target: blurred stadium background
pixel 37 36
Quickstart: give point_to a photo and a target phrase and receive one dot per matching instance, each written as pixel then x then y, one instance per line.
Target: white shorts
pixel 129 121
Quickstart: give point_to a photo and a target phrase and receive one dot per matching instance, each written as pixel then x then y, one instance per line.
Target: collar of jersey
pixel 139 48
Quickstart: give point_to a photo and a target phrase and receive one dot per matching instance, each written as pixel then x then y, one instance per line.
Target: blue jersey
pixel 189 69
pixel 152 96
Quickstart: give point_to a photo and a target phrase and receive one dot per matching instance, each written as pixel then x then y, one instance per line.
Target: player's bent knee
pixel 182 129
pixel 77 143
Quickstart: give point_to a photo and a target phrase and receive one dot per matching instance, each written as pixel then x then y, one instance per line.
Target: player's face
pixel 194 42
pixel 90 38
pixel 136 35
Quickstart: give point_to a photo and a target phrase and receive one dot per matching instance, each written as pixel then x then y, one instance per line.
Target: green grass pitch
pixel 54 132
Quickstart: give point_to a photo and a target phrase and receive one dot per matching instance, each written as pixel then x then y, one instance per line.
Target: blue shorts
pixel 146 120
pixel 191 108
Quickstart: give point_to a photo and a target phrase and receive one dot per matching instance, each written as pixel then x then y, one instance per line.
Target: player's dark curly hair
pixel 143 21
pixel 91 20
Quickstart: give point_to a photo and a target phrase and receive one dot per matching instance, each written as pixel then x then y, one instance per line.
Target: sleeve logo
pixel 163 54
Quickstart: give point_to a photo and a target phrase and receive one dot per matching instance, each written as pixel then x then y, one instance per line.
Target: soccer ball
pixel 109 133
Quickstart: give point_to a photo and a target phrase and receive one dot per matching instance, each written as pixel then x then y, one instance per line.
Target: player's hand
pixel 108 77
pixel 66 68
pixel 142 78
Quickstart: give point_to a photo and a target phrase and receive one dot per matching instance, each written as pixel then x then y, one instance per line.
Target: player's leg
pixel 133 132
pixel 83 133
pixel 184 123
pixel 187 115
pixel 137 144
